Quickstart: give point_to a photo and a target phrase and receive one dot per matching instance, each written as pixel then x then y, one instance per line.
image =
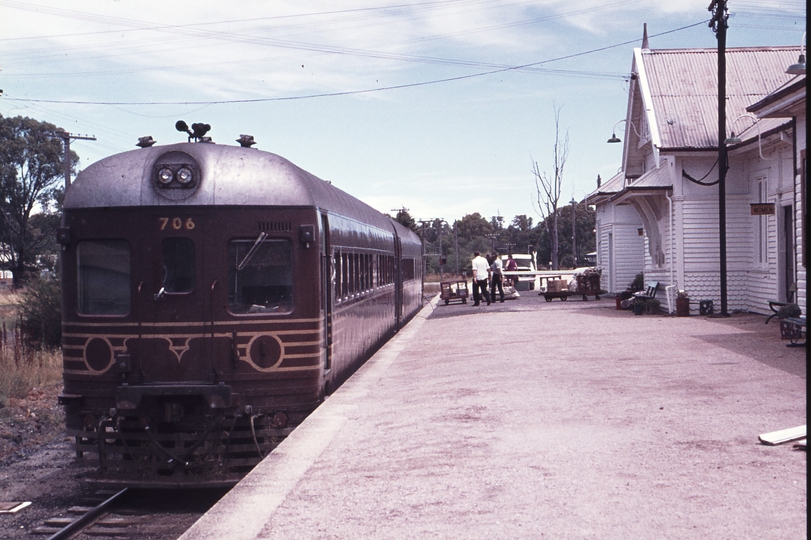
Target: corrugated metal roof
pixel 794 90
pixel 683 85
pixel 748 131
pixel 655 178
pixel 653 182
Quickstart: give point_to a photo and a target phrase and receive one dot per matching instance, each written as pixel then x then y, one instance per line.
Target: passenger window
pixel 260 276
pixel 177 256
pixel 104 277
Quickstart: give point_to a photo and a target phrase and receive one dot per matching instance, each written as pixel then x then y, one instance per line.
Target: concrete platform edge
pixel 266 487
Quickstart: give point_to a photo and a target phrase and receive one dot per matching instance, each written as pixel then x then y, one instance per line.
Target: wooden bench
pixel 775 305
pixel 797 329
pixel 649 292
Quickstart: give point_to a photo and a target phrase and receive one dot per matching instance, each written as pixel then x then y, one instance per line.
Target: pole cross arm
pixel 67 137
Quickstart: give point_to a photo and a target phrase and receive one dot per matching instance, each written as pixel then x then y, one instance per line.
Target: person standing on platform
pixel 512 266
pixel 480 270
pixel 496 278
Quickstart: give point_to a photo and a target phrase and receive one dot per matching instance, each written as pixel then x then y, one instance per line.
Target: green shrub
pixel 40 311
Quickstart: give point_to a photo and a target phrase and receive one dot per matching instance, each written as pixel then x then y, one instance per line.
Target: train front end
pixel 192 340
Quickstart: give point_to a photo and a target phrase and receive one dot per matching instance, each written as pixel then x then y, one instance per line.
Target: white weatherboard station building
pixel 660 214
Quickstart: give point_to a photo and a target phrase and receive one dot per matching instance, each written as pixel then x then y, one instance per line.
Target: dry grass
pixel 23 371
pixel 22 368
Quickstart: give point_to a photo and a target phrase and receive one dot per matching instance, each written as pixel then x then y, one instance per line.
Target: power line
pixel 356 92
pixel 245 38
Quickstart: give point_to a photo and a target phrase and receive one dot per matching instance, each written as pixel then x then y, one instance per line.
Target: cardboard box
pixel 556 285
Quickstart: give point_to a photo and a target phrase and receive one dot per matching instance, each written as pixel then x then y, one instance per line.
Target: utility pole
pixel 441 278
pixel 456 246
pixel 66 137
pixel 718 23
pixel 574 235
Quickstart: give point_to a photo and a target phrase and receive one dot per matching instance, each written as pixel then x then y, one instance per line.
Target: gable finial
pixel 645 36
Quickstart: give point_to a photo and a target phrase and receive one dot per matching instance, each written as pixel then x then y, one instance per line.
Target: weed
pixel 23 368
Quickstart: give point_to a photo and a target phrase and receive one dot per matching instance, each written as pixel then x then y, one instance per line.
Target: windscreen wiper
pixel 253 250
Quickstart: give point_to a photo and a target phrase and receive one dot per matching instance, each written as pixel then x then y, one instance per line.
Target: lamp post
pixel 793 69
pixel 614 138
pixel 734 139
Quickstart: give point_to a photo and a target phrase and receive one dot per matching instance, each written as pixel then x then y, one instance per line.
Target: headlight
pixel 184 175
pixel 165 175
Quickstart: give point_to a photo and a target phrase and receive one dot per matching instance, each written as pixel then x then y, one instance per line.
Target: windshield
pixel 263 281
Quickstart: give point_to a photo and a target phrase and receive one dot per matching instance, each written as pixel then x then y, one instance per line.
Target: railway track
pixel 90 517
pixel 132 514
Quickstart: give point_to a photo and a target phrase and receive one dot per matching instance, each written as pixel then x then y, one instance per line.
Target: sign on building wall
pixel 762 209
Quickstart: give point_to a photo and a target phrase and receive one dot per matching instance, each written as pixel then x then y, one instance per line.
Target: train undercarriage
pixel 175 442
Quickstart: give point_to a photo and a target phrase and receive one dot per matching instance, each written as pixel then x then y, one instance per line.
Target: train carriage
pixel 212 296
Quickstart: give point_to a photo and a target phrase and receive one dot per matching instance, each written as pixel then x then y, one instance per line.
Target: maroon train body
pixel 212 296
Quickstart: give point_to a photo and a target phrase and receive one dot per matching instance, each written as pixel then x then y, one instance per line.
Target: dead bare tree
pixel 547 189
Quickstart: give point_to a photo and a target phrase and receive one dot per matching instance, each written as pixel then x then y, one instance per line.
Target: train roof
pixel 224 176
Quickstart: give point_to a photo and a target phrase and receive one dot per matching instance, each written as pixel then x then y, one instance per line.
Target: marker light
pixel 184 175
pixel 165 175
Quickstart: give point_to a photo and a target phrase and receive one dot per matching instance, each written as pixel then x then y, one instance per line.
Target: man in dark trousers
pixel 496 277
pixel 480 271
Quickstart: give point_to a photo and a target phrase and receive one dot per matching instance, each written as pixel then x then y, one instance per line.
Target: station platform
pixel 534 419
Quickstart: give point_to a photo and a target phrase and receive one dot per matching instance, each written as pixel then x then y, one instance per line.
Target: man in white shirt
pixel 480 271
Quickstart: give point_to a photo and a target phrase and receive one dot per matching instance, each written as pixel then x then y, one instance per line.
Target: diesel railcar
pixel 212 296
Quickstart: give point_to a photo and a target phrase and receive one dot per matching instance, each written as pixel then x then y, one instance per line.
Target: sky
pixel 439 107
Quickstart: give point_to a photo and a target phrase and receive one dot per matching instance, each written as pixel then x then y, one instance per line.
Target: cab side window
pixel 104 277
pixel 260 276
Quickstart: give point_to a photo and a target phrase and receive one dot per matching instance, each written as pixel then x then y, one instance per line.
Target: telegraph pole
pixel 718 23
pixel 574 235
pixel 456 246
pixel 66 137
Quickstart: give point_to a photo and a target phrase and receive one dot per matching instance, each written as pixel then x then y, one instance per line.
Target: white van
pixel 525 262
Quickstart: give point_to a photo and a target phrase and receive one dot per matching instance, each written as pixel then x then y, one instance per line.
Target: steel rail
pixel 90 517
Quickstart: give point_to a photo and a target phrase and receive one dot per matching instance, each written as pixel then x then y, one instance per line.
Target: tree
pixel 585 221
pixel 520 235
pixel 405 219
pixel 31 166
pixel 548 190
pixel 473 226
